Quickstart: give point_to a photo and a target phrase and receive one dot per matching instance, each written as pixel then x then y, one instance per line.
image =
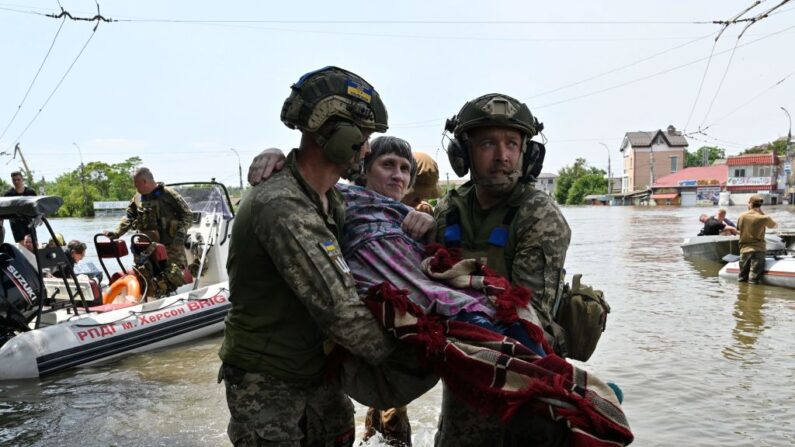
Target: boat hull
pixel 778 272
pixel 713 248
pixel 99 337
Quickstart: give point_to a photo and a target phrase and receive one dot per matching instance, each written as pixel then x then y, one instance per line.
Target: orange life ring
pixel 125 286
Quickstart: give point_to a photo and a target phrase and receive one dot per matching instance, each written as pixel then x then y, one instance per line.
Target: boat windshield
pixel 205 198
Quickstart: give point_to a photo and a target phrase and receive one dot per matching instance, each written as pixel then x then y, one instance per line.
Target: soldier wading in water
pixel 292 293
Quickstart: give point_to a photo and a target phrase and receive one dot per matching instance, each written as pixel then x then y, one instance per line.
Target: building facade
pixel 546 182
pixel 648 156
pixel 755 174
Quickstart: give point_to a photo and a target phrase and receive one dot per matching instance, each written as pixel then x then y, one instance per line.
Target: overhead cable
pixel 21 103
pixel 52 93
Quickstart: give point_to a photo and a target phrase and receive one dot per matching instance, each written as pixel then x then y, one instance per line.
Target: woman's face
pixel 389 175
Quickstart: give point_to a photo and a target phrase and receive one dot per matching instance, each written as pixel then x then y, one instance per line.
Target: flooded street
pixel 701 361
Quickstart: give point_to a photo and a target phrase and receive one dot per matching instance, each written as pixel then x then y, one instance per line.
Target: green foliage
pixel 102 182
pixel 779 147
pixel 568 175
pixel 4 186
pixel 697 158
pixel 593 183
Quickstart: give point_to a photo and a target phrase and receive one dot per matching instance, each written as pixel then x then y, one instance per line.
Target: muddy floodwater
pixel 701 361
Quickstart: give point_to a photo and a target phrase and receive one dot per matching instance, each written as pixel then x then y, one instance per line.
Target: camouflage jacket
pixel 291 289
pixel 537 236
pixel 162 214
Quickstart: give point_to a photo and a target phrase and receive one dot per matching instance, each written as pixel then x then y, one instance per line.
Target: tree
pixel 779 147
pixel 103 182
pixel 568 175
pixel 697 158
pixel 593 183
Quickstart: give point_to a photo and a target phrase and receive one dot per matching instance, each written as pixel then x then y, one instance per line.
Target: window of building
pixel 674 161
pixel 739 172
pixel 764 171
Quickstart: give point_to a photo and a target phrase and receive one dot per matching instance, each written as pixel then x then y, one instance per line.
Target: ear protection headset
pixel 343 142
pixel 495 110
pixel 332 93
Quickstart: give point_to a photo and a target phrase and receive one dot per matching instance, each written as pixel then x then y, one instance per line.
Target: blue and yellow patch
pixel 357 90
pixel 329 246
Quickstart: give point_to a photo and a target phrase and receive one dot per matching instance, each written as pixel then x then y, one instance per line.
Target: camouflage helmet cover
pixel 494 109
pixel 329 92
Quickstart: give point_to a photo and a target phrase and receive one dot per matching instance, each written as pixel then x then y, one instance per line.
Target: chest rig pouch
pixel 498 239
pixel 582 311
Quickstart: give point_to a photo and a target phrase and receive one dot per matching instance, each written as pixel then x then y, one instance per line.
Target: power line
pixel 19 107
pixel 661 72
pixel 53 90
pixel 416 22
pixel 741 106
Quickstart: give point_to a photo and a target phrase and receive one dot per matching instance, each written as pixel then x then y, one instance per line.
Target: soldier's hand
pixel 264 165
pixel 110 234
pixel 419 226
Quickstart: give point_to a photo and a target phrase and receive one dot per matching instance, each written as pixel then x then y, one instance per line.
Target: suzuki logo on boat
pixel 22 284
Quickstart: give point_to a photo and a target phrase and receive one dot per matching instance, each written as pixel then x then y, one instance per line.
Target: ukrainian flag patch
pixel 359 91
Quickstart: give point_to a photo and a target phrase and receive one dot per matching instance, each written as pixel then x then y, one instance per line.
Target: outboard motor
pixel 19 292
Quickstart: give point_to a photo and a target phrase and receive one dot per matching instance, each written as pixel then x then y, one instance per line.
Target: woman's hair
pixel 76 247
pixel 388 145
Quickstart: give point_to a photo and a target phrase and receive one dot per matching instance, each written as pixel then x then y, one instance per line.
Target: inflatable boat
pixel 52 319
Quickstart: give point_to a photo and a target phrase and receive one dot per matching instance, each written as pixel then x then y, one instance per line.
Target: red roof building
pixel 752 173
pixel 691 186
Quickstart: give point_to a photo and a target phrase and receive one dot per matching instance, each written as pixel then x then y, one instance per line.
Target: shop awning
pixel 666 196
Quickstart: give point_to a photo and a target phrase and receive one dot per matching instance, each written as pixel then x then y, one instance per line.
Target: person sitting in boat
pixel 26 248
pixel 721 216
pixel 715 227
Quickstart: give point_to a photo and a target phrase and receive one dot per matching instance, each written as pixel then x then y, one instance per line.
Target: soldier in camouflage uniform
pixel 499 216
pixel 162 214
pixel 292 294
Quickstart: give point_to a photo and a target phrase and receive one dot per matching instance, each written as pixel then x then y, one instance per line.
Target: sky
pixel 182 83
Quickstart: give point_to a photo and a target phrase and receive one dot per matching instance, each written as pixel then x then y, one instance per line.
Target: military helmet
pixel 495 109
pixel 333 92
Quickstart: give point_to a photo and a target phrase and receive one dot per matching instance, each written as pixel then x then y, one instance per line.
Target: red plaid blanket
pixel 498 375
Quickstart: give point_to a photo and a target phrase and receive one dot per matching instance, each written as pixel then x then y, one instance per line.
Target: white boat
pixel 49 324
pixel 715 248
pixel 779 271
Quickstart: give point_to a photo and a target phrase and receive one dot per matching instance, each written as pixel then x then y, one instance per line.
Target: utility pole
pixel 651 165
pixel 86 209
pixel 609 174
pixel 789 157
pixel 28 173
pixel 239 170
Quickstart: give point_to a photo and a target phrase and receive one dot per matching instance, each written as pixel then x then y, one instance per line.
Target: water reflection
pixel 704 267
pixel 749 323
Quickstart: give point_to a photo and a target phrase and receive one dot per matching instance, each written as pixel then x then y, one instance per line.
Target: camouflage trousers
pixel 752 266
pixel 393 424
pixel 177 261
pixel 461 426
pixel 267 411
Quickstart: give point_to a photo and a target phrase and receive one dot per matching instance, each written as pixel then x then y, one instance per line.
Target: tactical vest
pixel 154 219
pixel 494 252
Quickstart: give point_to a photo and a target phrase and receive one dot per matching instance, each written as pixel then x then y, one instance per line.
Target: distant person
pixel 721 216
pixel 162 214
pixel 20 226
pixel 26 248
pixel 752 225
pixel 714 227
pixel 426 186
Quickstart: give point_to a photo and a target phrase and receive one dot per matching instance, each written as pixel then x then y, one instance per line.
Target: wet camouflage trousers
pixel 752 266
pixel 393 425
pixel 266 411
pixel 461 426
pixel 176 262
